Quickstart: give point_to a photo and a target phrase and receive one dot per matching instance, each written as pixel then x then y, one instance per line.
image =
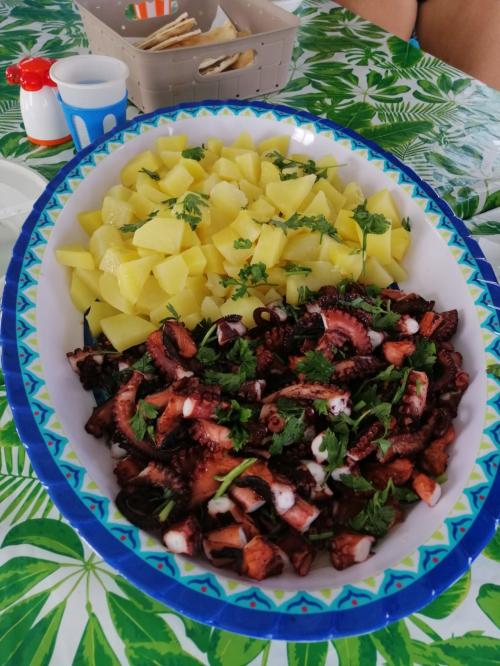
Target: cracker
pixel 225 33
pixel 244 59
pixel 217 65
pixel 173 41
pixel 181 25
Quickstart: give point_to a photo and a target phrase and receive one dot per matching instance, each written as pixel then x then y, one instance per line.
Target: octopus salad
pixel 259 448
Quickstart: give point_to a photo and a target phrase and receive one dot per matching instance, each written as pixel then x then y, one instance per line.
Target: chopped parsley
pixel 321 407
pixel 315 367
pixel 197 153
pixel 335 448
pixel 424 356
pixel 144 364
pixel 383 317
pixel 154 175
pixel 288 407
pixel 226 481
pixel 173 314
pixel 165 507
pixel 295 269
pixel 240 354
pixel 129 228
pixel 141 421
pixel 308 167
pixel 406 224
pixel 356 483
pixel 291 434
pixel 317 223
pixel 233 417
pixel 377 516
pixel 242 244
pixel 369 223
pixel 305 295
pixel 321 536
pixel 253 275
pixel 190 210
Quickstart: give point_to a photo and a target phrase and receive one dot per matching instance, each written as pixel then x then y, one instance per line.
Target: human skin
pixel 463 33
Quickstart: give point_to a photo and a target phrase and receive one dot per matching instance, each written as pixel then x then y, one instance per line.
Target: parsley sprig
pixel 308 167
pixel 242 244
pixel 317 223
pixel 377 516
pixel 295 269
pixel 154 175
pixel 369 223
pixel 197 153
pixel 291 434
pixel 253 275
pixel 383 316
pixel 233 417
pixel 226 481
pixel 173 314
pixel 129 228
pixel 144 364
pixel 242 355
pixel 315 367
pixel 190 208
pixel 424 356
pixel 335 446
pixel 141 421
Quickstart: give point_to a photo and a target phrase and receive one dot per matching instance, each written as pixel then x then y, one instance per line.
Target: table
pixel 59 603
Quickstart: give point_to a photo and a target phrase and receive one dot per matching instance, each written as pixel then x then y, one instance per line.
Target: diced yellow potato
pixel 75 256
pixel 354 195
pixel 347 259
pixel 194 168
pixel 171 274
pixel 269 173
pixel 245 227
pixel 271 296
pixel 98 311
pixel 292 172
pixel 116 212
pixel 184 303
pixel 294 284
pixel 377 245
pixel 148 189
pixel 143 252
pixel 114 257
pixel 189 238
pixel 132 277
pixel 304 246
pixel 210 308
pixel 231 269
pixel 244 141
pixel 170 157
pixel 279 143
pixel 231 153
pixel 214 259
pixel 192 320
pixel 141 206
pixel 325 246
pixel 396 270
pixel 162 234
pixel 146 160
pixel 289 194
pixel 330 163
pixel 336 198
pixel 228 198
pixel 251 191
pixel 207 185
pixel 307 201
pixel 375 273
pixel 102 238
pixel 323 273
pixel 277 276
pixel 214 145
pixel 249 164
pixel 89 278
pixel 215 286
pixel 269 247
pixel 209 159
pixel 197 285
pixel 110 291
pixel 120 192
pixel 319 206
pixel 81 295
pixel 177 181
pixel 382 202
pixel 125 330
pixel 262 210
pixel 178 142
pixel 244 307
pixel 90 220
pixel 195 260
pixel 224 240
pixel 400 242
pixel 151 297
pixel 227 169
pixel 346 226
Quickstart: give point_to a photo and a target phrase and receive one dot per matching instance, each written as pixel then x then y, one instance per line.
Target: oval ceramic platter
pixel 419 558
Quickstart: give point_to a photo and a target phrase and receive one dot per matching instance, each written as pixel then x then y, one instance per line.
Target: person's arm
pixel 396 16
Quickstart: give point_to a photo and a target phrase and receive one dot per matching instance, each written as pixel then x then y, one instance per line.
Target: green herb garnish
pixel 173 314
pixel 305 295
pixel 317 223
pixel 129 228
pixel 321 407
pixel 227 480
pixel 356 483
pixel 315 367
pixel 321 536
pixel 144 364
pixel 308 167
pixel 376 517
pixel 242 244
pixel 253 275
pixel 154 175
pixel 295 269
pixel 424 356
pixel 242 355
pixel 233 417
pixel 291 434
pixel 406 224
pixel 190 210
pixel 335 448
pixel 197 153
pixel 369 223
pixel 140 422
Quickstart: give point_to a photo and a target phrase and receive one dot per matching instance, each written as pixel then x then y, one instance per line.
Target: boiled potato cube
pixel 103 238
pixel 125 330
pixel 214 259
pixel 98 311
pixel 262 210
pixel 346 226
pixel 146 188
pixel 174 142
pixel 325 246
pixel 209 159
pixel 277 276
pixel 90 221
pixel 210 308
pixel 271 296
pixel 146 160
pixel 354 195
pixel 252 191
pixel 177 181
pixel 162 234
pixel 336 198
pixel 194 168
pixel 347 259
pixel 141 206
pixel 116 212
pixel 214 284
pixel 132 277
pixel 299 157
pixel 110 291
pixel 184 304
pixel 319 206
pixel 382 202
pixel 396 270
pixel 143 252
pixel 330 163
pixel 304 246
pixel 89 278
pixel 189 238
pixel 81 295
pixel 289 194
pixel 195 260
pixel 171 274
pixel 269 173
pixel 400 242
pixel 120 192
pixel 323 273
pixel 231 153
pixel 249 164
pixel 375 273
pixel 269 247
pixel 151 297
pixel 231 270
pixel 377 245
pixel 170 158
pixel 75 256
pixel 207 185
pixel 224 240
pixel 307 202
pixel 197 285
pixel 294 285
pixel 228 198
pixel 244 140
pixel 279 143
pixel 245 227
pixel 114 257
pixel 227 169
pixel 214 145
pixel 244 307
pixel 192 320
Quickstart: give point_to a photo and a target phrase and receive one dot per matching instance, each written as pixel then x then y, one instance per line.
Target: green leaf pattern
pixel 51 584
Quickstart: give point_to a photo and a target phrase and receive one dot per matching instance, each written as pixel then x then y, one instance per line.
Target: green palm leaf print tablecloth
pixel 59 603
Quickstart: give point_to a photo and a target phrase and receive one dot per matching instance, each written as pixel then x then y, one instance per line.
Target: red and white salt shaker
pixel 42 115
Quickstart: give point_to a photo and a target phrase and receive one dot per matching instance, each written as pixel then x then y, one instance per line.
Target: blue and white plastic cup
pixel 93 94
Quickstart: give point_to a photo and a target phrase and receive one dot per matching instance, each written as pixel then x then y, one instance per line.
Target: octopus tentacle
pixel 173 368
pixel 337 320
pixel 396 351
pixel 356 367
pixel 415 396
pixel 406 303
pixel 363 446
pixel 101 420
pixel 430 323
pixel 448 327
pixel 435 457
pixel 410 443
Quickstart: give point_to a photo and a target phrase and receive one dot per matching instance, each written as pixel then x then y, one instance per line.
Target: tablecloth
pixel 59 603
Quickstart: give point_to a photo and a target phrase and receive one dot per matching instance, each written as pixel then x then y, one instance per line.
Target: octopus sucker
pixel 347 325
